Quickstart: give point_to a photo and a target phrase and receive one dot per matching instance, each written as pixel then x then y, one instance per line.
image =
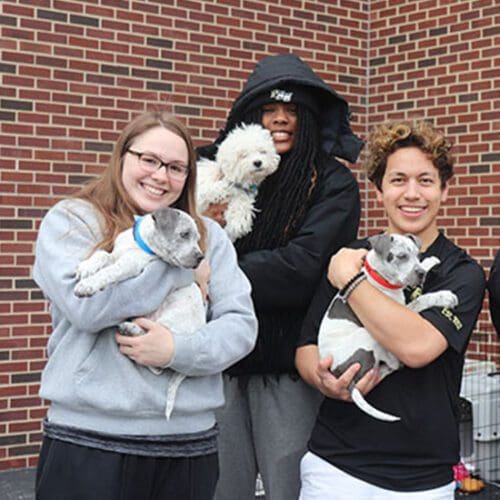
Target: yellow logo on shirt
pixel 445 311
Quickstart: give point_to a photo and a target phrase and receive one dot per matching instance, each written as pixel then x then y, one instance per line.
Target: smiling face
pixel 411 193
pixel 281 120
pixel 153 190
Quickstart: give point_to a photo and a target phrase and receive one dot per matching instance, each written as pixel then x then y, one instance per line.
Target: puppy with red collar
pixel 391 265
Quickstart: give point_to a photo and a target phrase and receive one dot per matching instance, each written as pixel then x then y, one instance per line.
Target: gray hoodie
pixel 90 384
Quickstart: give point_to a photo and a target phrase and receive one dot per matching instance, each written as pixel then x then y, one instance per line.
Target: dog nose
pixel 257 163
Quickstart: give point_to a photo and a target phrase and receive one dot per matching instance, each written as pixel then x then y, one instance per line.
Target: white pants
pixel 322 481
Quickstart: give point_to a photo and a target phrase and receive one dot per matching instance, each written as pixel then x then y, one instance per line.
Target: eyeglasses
pixel 151 163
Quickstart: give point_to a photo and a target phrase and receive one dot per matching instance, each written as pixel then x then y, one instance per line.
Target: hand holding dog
pixel 345 264
pixel 154 348
pixel 217 211
pixel 338 388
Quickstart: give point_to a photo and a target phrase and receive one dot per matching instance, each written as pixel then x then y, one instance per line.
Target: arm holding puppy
pixel 316 372
pixel 405 333
pixel 157 347
pixel 231 327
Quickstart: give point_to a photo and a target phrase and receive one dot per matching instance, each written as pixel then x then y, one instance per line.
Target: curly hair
pixel 389 137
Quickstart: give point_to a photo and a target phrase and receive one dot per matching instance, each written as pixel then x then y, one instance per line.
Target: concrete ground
pixel 17 484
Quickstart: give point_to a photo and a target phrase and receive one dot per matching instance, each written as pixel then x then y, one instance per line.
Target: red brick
pixel 215 49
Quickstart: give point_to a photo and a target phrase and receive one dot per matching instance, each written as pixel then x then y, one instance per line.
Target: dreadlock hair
pixel 283 197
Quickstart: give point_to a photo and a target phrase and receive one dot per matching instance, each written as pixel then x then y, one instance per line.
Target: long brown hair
pixel 108 194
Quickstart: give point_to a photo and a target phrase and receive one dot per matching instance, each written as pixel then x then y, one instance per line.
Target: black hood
pixel 337 137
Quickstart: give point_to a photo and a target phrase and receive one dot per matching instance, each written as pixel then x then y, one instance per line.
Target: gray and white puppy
pixel 168 234
pixel 391 265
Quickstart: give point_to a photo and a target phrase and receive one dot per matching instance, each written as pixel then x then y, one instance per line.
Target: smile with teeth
pixel 152 190
pixel 280 135
pixel 412 209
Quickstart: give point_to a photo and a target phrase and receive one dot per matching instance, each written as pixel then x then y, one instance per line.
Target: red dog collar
pixel 379 279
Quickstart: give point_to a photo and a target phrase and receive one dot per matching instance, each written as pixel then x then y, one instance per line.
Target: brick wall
pixel 74 72
pixel 440 59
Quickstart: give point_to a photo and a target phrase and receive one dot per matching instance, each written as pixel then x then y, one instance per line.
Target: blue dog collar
pixel 252 189
pixel 138 239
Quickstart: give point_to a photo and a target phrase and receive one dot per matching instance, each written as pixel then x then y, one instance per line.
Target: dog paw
pixel 84 289
pixel 448 299
pixel 429 262
pixel 443 298
pixel 93 264
pixel 83 271
pixel 130 329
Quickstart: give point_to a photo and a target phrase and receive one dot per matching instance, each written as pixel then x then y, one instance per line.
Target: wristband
pixel 349 287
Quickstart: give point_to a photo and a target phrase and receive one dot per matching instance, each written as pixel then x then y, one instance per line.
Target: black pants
pixel 67 471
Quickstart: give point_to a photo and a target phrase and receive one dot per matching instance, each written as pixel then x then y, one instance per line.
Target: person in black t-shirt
pixel 351 454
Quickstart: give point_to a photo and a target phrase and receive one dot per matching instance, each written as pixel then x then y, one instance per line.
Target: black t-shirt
pixel 418 452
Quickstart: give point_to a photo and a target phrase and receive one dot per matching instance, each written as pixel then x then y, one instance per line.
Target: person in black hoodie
pixel 306 211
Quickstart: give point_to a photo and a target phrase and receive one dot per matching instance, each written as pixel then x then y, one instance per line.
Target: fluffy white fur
pixel 243 160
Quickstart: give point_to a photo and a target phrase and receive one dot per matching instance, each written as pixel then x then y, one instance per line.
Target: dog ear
pixel 166 219
pixel 415 239
pixel 381 243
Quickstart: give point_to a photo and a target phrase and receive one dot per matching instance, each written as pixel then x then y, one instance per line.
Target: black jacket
pixel 284 279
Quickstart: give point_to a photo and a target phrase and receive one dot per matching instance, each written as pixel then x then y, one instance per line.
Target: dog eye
pixel 403 257
pixel 185 235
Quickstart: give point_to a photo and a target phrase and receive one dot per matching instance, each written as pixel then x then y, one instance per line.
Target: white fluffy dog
pixel 243 160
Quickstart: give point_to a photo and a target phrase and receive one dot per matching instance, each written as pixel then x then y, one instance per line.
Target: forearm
pixel 316 372
pixel 215 347
pixel 306 361
pixel 410 337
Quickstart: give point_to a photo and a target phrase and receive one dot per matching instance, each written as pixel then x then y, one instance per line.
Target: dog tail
pixel 174 383
pixel 363 405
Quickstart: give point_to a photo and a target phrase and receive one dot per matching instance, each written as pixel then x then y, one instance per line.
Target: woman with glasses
pixel 106 435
